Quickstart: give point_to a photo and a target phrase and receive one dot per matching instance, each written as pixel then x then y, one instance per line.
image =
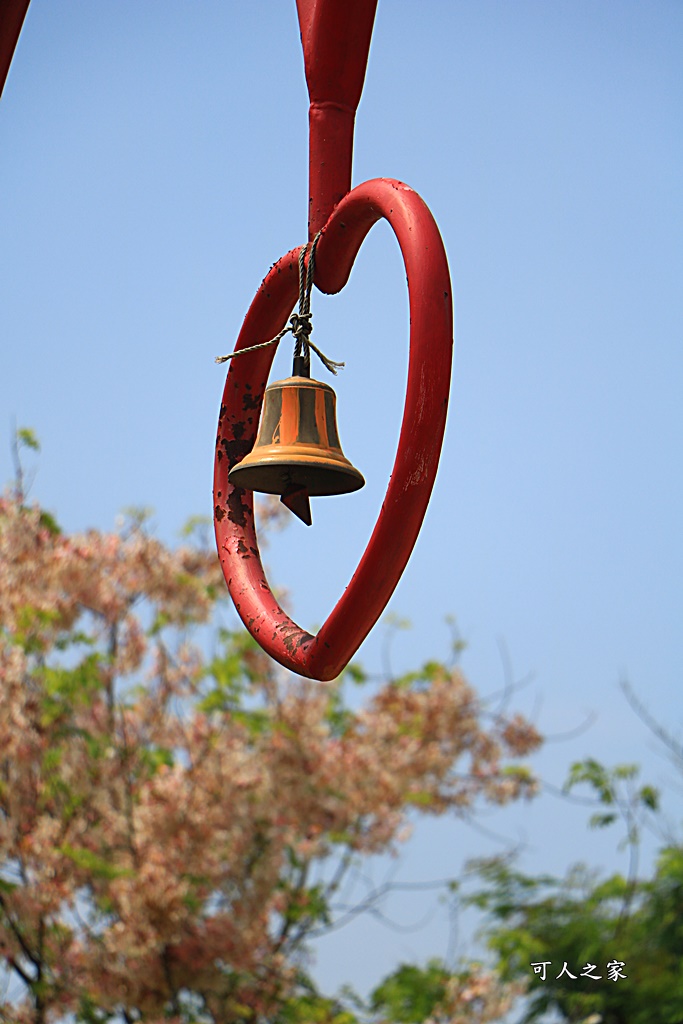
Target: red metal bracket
pixel 424 418
pixel 336 39
pixel 335 35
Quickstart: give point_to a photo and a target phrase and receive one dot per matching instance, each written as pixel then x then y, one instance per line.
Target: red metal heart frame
pixel 336 39
pixel 323 656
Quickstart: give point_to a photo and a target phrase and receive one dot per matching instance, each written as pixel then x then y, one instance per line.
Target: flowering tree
pixel 174 826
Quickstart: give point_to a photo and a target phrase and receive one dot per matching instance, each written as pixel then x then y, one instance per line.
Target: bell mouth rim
pixel 337 476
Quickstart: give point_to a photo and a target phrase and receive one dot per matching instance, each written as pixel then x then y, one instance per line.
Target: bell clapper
pixel 297 501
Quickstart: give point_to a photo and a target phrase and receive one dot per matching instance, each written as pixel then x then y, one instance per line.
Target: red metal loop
pixel 424 418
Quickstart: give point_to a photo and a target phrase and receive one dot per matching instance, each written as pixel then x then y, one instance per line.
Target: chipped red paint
pixel 424 418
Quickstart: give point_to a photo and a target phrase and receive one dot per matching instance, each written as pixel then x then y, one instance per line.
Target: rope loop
pixel 299 323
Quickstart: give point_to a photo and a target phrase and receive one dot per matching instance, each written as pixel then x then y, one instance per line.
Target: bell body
pixel 297 446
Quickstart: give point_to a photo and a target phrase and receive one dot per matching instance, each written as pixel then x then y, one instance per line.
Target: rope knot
pixel 301 326
pixel 299 323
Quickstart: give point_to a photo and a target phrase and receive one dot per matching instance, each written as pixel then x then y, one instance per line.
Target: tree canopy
pixel 177 814
pixel 579 928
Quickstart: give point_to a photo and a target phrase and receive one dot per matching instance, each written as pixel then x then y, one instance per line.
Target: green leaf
pixel 517 771
pixel 421 798
pixel 31 624
pixel 601 820
pixel 161 620
pixel 72 639
pixel 154 757
pixel 594 774
pixel 67 688
pixel 626 771
pixel 356 673
pixel 650 797
pixel 48 521
pixel 410 994
pixel 27 438
pixel 93 864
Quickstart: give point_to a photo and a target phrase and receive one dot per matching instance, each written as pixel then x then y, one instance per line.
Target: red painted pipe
pixel 335 35
pixel 424 419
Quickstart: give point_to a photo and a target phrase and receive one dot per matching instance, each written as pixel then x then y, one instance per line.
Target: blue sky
pixel 154 165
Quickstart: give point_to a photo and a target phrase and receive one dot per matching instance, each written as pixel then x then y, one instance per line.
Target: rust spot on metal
pixel 220 455
pixel 238 430
pixel 293 637
pixel 251 401
pixel 237 510
pixel 235 450
pixel 242 548
pixel 219 512
pixel 223 411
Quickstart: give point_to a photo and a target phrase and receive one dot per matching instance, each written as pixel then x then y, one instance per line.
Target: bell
pixel 297 453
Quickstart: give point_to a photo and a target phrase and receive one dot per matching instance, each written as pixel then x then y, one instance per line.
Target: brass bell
pixel 297 452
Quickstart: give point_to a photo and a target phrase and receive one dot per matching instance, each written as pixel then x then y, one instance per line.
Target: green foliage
pixel 309 1007
pixel 356 673
pixel 48 521
pixel 89 862
pixel 426 674
pixel 31 623
pixel 154 757
pixel 65 688
pixel 90 1013
pixel 26 438
pixel 169 818
pixel 607 783
pixel 229 672
pixel 339 716
pixel 314 1009
pixel 307 904
pixel 410 994
pixel 582 919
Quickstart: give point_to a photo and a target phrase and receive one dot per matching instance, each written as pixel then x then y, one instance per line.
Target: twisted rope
pixel 299 323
